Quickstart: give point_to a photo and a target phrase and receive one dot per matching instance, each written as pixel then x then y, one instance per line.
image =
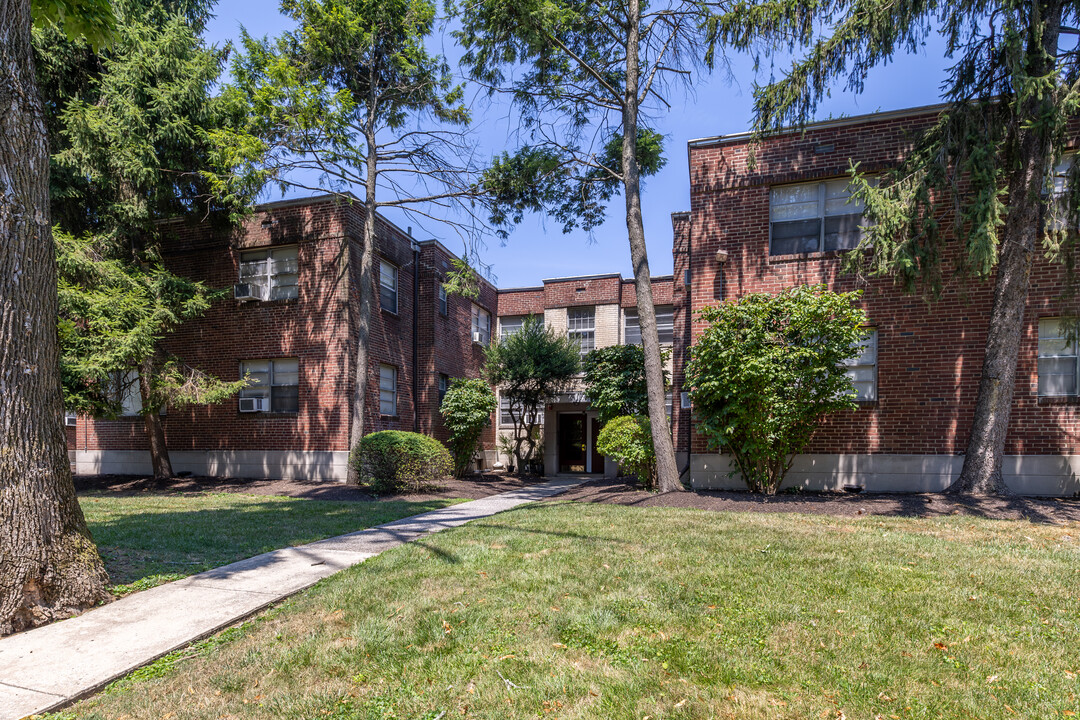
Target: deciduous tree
pixel 466 412
pixel 531 367
pixel 584 75
pixel 49 566
pixel 615 382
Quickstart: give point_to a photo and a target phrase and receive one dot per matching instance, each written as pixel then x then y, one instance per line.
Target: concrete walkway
pixel 49 667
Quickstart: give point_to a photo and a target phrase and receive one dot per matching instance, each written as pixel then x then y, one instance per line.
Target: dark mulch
pixel 1043 510
pixel 470 488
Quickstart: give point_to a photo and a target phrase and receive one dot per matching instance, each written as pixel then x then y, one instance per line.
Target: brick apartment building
pixel 778 222
pixel 597 311
pixel 297 261
pixel 782 222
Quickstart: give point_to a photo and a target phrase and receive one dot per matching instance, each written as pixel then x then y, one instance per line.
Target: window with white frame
pixel 273 385
pixel 388 286
pixel 1058 358
pixel 510 324
pixel 272 273
pixel 444 385
pixel 443 302
pixel 1059 203
pixel 504 413
pixel 124 392
pixel 863 369
pixel 387 390
pixel 581 328
pixel 814 217
pixel 665 325
pixel 481 325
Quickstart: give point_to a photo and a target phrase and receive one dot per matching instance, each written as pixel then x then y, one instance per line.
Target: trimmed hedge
pixel 393 461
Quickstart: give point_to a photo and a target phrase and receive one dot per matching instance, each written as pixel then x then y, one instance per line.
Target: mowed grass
pixel 151 539
pixel 598 611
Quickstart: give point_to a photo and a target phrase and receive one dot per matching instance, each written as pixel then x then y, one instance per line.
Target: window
pixel 124 392
pixel 863 370
pixel 581 326
pixel 387 390
pixel 273 384
pixel 1059 204
pixel 665 325
pixel 509 325
pixel 442 300
pixel 504 413
pixel 271 273
pixel 813 217
pixel 1057 358
pixel 481 325
pixel 686 276
pixel 388 286
pixel 444 385
pixel 684 400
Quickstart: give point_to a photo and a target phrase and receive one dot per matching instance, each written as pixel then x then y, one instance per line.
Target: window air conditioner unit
pixel 70 420
pixel 252 404
pixel 246 291
pixel 478 337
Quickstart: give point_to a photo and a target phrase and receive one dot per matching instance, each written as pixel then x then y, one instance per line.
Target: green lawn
pixel 150 539
pixel 597 611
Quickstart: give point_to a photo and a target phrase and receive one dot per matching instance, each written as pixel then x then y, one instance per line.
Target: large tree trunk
pixel 49 566
pixel 155 429
pixel 1030 148
pixel 363 322
pixel 667 471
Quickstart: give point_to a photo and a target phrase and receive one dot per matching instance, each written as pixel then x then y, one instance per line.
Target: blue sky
pixel 538 248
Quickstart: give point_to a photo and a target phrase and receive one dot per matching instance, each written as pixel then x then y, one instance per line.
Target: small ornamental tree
pixel 530 367
pixel 615 381
pixel 628 439
pixel 466 412
pixel 767 370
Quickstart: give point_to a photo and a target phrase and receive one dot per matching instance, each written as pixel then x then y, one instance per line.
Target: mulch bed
pixel 1043 510
pixel 622 492
pixel 472 488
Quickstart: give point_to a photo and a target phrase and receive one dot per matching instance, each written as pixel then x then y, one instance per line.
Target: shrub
pixel 466 411
pixel 394 461
pixel 766 372
pixel 628 439
pixel 615 381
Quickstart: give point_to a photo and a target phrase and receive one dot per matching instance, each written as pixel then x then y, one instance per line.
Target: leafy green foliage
pixel 767 370
pixel 628 439
pixel 545 178
pixel 615 381
pixel 112 318
pixel 530 367
pixel 393 461
pixel 466 411
pixel 89 20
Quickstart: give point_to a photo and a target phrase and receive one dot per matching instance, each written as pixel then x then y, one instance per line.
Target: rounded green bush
pixel 393 461
pixel 628 439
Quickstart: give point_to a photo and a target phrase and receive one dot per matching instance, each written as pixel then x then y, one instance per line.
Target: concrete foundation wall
pixel 1052 475
pixel 266 464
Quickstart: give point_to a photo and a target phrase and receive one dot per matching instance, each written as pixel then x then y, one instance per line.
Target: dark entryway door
pixel 571 442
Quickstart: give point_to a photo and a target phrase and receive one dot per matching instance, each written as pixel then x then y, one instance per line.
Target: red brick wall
pixel 527 301
pixel 604 290
pixel 929 355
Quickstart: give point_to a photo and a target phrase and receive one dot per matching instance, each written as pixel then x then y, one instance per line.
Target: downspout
pixel 687 329
pixel 416 334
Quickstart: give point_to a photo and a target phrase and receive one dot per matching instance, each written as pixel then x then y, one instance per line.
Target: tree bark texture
pixel 155 429
pixel 667 471
pixel 49 566
pixel 1030 147
pixel 363 322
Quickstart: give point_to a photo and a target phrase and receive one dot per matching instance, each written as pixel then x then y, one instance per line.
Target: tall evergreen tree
pixel 353 98
pixel 133 146
pixel 972 196
pixel 585 76
pixel 49 566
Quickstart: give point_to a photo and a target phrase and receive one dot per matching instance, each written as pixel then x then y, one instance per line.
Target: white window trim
pixel 629 313
pixel 392 392
pixel 396 275
pixel 821 216
pixel 480 332
pixel 265 279
pixel 579 334
pixel 1040 355
pixel 872 340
